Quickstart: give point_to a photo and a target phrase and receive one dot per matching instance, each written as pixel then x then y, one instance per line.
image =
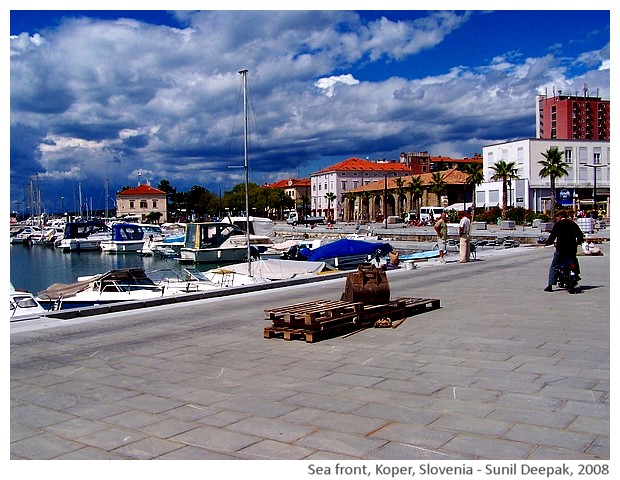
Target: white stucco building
pixel 588 171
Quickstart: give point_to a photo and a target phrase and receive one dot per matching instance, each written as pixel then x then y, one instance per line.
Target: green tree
pixel 475 177
pixel 174 199
pixel 192 199
pixel 504 171
pixel 553 167
pixel 438 186
pixel 153 217
pixel 283 202
pixel 415 189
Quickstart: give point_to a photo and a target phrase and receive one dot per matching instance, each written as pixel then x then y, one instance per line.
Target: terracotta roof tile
pixel 451 177
pixel 357 164
pixel 143 189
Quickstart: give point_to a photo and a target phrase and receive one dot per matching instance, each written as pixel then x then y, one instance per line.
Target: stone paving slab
pixel 502 370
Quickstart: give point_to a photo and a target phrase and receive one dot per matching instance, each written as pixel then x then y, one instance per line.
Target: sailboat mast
pixel 244 74
pixel 38 202
pixel 107 183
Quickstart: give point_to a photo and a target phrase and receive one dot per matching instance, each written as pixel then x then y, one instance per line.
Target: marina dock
pixel 502 370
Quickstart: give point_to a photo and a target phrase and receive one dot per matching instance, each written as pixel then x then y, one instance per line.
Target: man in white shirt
pixel 464 227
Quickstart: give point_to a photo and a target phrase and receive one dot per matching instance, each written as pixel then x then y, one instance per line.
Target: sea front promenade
pixel 501 371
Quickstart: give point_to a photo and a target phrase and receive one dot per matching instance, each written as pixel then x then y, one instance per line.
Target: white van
pixel 428 213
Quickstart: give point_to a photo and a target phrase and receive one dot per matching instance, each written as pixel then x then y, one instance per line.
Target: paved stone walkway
pixel 502 370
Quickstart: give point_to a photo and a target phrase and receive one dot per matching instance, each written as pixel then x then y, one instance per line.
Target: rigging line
pixel 232 132
pixel 253 117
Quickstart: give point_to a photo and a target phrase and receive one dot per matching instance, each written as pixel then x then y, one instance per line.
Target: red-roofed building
pixel 293 187
pixel 352 173
pixel 395 203
pixel 422 162
pixel 140 201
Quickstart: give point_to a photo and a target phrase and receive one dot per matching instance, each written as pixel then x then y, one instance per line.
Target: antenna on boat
pixel 244 74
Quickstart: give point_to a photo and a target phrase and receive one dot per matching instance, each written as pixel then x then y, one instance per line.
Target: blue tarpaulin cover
pixel 345 247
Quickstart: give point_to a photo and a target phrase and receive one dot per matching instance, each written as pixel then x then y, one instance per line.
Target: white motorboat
pixel 23 305
pixel 110 287
pixel 126 238
pixel 27 234
pixel 261 230
pixel 215 242
pixel 84 236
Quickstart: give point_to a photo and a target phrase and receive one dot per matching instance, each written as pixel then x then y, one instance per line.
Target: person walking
pixel 441 227
pixel 464 227
pixel 567 235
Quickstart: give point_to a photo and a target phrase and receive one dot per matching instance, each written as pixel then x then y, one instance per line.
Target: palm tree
pixel 475 177
pixel 438 185
pixel 553 167
pixel 505 172
pixel 330 197
pixel 415 189
pixel 400 190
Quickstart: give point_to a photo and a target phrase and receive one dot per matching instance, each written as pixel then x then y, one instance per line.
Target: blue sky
pixel 124 95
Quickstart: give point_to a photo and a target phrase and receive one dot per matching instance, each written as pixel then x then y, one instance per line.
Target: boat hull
pixel 218 256
pixel 121 247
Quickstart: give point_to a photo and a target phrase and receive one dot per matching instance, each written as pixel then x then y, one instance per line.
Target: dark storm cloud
pixel 94 98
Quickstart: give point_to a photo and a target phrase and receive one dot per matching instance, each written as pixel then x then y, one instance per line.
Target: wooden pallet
pixel 310 336
pixel 322 319
pixel 414 306
pixel 316 315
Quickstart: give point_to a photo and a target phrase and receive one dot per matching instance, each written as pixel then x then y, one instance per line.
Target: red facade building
pixel 572 117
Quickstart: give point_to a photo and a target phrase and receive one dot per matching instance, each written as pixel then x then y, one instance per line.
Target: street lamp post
pixel 385 201
pixel 594 167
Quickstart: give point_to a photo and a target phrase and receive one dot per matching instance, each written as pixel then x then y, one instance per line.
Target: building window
pixel 355 183
pixel 132 204
pixel 520 155
pixel 583 155
pixel 568 155
pixel 597 155
pixel 343 185
pixel 143 204
pixel 154 203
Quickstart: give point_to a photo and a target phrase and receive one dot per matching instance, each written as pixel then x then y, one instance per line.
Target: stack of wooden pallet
pixel 322 319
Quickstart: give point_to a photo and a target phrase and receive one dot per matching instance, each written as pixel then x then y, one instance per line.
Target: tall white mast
pixel 244 74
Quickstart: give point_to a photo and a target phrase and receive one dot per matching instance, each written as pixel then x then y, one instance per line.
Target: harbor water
pixel 36 267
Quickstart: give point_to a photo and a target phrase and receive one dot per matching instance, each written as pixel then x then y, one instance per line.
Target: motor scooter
pixel 567 275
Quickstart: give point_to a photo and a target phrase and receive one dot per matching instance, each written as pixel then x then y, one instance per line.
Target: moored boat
pixel 126 238
pixel 110 287
pixel 23 305
pixel 84 236
pixel 215 242
pixel 346 253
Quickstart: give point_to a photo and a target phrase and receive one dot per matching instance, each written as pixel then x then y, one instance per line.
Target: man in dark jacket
pixel 567 235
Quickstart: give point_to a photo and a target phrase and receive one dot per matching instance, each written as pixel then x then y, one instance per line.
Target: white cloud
pixel 328 84
pixel 95 98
